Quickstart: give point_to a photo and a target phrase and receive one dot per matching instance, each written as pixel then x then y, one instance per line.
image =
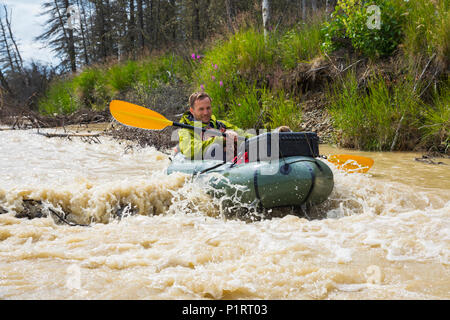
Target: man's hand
pixel 231 135
pixel 208 135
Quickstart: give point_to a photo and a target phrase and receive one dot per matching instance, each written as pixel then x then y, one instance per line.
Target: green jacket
pixel 190 142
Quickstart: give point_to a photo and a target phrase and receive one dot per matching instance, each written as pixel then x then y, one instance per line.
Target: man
pixel 196 144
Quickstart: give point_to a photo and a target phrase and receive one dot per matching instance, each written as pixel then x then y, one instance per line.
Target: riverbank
pixel 389 94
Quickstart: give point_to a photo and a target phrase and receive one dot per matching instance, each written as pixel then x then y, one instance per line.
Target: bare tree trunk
pixel 156 23
pixel 100 13
pixel 140 13
pixel 8 52
pixel 229 5
pixel 314 5
pixel 131 30
pixel 303 10
pixel 71 42
pixel 68 36
pixel 196 25
pixel 266 17
pixel 17 52
pixel 108 36
pixel 83 35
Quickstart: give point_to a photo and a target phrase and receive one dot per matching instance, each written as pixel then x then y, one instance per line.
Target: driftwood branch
pixel 65 135
pixel 86 137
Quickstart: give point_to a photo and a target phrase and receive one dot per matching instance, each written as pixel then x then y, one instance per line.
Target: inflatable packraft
pixel 282 170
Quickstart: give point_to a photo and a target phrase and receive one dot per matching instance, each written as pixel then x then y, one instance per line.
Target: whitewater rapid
pixel 382 235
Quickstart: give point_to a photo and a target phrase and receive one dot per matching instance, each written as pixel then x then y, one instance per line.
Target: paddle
pixel 351 163
pixel 136 116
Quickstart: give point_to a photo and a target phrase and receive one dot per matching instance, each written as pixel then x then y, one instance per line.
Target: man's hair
pixel 198 96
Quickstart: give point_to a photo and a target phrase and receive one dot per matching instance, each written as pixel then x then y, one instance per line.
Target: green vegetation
pixel 436 125
pixel 427 29
pixel 96 86
pixel 236 73
pixel 356 22
pixel 397 99
pixel 60 99
pixel 372 119
pixel 300 44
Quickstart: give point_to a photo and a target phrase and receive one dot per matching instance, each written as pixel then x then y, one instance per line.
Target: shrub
pixel 353 22
pixel 59 99
pixel 91 89
pixel 122 76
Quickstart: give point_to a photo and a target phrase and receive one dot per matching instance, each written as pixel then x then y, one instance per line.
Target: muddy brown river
pixel 382 235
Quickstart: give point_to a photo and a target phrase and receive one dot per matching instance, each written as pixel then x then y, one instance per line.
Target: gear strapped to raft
pixel 263 148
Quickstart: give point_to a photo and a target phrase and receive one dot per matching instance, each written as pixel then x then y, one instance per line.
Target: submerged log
pixel 428 160
pixel 88 137
pixel 65 135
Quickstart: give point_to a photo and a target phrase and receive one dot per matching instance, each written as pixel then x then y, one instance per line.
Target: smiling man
pixel 204 145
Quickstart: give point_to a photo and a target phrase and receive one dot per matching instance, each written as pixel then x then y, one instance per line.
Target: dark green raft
pixel 294 178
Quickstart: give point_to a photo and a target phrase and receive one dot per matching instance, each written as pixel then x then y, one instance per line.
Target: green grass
pixel 426 28
pixel 281 110
pixel 165 69
pixel 232 65
pixel 95 87
pixel 264 109
pixel 372 119
pixel 436 127
pixel 246 111
pixel 300 44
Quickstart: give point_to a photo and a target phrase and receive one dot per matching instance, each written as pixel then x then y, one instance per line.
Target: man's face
pixel 202 110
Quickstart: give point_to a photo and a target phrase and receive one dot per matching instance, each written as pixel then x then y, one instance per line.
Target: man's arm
pixel 236 129
pixel 192 146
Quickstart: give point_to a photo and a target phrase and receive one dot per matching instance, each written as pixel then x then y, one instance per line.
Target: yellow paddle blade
pixel 351 163
pixel 136 116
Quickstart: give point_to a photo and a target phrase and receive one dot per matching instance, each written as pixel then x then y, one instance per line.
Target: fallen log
pixel 66 135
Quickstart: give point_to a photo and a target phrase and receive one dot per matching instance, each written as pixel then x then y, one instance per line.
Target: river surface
pixel 382 235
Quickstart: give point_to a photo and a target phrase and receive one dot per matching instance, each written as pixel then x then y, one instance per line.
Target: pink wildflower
pixel 221 83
